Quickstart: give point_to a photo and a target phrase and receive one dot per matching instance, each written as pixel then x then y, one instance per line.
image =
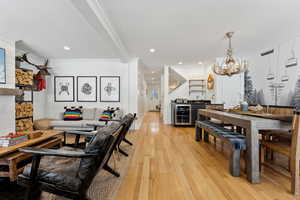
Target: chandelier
pixel 230 65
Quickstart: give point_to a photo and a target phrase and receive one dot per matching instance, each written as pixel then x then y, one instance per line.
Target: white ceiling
pixel 45 26
pixel 187 31
pixel 193 30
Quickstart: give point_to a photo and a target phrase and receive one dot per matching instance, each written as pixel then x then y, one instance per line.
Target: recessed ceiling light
pixel 152 78
pixel 153 72
pixel 67 48
pixel 200 63
pixel 152 50
pixel 180 63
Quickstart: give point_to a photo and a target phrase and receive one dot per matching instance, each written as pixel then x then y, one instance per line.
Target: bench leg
pixel 215 142
pixel 206 136
pixel 239 129
pixel 234 164
pixel 198 134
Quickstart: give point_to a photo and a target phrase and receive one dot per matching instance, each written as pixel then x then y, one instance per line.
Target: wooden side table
pixel 12 161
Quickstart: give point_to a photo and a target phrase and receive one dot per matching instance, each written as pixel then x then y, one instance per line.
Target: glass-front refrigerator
pixel 182 114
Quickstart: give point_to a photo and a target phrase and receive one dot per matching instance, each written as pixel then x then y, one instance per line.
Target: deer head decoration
pixel 43 69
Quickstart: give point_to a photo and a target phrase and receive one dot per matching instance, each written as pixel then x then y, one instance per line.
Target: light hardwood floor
pixel 168 164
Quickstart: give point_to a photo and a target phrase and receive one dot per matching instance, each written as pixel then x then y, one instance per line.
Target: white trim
pixel 97 7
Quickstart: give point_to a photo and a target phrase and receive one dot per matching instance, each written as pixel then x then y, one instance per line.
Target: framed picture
pixel 110 88
pixel 86 88
pixel 2 66
pixel 64 88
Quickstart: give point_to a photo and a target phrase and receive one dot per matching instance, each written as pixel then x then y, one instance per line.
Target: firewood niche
pixel 24 102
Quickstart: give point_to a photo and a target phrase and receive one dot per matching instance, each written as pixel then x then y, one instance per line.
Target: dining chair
pixel 287 147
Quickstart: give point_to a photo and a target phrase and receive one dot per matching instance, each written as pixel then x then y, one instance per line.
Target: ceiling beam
pixel 95 15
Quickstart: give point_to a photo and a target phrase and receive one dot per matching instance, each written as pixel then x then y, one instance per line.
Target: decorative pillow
pixel 42 124
pixel 106 115
pixel 72 113
pixel 118 114
pixel 88 113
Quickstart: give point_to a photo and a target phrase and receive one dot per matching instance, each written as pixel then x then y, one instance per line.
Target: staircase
pixel 175 80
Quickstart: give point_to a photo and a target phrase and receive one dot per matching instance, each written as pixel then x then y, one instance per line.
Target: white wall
pixel 142 92
pixel 153 96
pixel 131 93
pixel 166 108
pixel 87 67
pixel 7 103
pixel 228 90
pixel 190 72
pixel 132 85
pixel 137 89
pixel 162 94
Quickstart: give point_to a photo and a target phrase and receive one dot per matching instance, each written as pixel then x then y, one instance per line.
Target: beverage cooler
pixel 181 114
pixel 184 112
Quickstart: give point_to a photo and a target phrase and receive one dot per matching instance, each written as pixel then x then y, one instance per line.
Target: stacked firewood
pixel 24 77
pixel 24 110
pixel 24 125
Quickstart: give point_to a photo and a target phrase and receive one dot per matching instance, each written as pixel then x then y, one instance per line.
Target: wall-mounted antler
pixel 43 69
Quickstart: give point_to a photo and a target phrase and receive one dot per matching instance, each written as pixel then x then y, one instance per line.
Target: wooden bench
pixel 236 140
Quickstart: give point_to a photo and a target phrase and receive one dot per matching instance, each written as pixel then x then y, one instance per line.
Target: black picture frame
pixel 118 93
pixel 73 88
pixel 4 65
pixel 96 88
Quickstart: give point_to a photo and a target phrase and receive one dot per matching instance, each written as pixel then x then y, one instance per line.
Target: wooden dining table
pixel 252 125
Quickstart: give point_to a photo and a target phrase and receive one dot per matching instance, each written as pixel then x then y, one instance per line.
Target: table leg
pixel 12 170
pixel 198 134
pixel 253 173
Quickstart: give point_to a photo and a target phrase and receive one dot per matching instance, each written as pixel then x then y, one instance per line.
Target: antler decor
pixel 230 65
pixel 43 69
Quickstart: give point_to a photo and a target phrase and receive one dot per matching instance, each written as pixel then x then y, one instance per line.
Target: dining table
pixel 253 125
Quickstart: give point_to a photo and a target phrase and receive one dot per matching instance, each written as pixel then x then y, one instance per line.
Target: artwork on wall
pixel 275 77
pixel 64 88
pixel 110 88
pixel 292 60
pixel 2 66
pixel 86 88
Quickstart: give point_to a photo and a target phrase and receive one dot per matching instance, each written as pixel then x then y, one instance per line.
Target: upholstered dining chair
pixel 72 181
pixel 127 120
pixel 126 123
pixel 287 147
